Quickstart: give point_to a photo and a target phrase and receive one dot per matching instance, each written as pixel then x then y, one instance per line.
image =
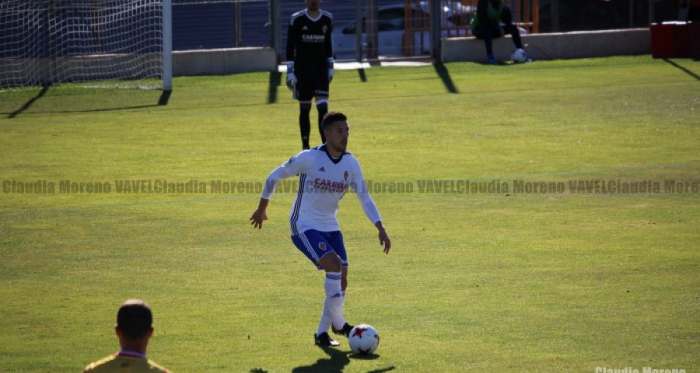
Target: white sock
pixel 333 303
pixel 338 319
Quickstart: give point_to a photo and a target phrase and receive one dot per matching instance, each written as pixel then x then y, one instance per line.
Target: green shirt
pixel 493 14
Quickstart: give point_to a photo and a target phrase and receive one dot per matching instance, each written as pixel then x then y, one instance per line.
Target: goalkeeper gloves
pixel 291 78
pixel 330 69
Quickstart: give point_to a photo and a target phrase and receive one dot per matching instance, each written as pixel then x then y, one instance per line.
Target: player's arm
pixel 291 41
pixel 329 50
pixel 291 48
pixel 329 37
pixel 370 208
pixel 290 168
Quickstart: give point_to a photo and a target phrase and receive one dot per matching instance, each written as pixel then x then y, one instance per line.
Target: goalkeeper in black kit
pixel 310 63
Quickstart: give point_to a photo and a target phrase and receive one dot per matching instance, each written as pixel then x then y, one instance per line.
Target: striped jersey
pixel 323 181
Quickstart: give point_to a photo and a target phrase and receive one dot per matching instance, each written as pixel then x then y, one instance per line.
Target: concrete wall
pixel 553 46
pixel 242 60
pixel 199 62
pixel 223 61
pixel 538 46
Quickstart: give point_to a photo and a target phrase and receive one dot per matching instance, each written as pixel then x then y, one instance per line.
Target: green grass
pixel 503 281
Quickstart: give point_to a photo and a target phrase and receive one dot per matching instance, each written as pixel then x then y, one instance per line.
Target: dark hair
pixel 332 117
pixel 134 318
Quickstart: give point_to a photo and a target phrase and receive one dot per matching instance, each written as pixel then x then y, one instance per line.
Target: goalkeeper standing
pixel 310 63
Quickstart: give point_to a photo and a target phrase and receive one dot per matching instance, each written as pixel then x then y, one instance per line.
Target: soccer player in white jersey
pixel 325 174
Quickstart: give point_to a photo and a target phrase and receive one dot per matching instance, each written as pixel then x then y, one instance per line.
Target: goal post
pixel 167 45
pixel 96 43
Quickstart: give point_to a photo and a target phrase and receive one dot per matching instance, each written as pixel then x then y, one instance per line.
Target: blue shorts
pixel 315 245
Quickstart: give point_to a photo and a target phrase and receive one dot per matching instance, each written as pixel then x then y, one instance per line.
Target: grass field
pixel 580 252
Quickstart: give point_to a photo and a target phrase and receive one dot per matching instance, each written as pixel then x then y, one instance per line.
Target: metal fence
pixel 209 24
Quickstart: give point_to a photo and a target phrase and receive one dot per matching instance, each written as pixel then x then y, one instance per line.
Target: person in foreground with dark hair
pixel 134 329
pixel 325 174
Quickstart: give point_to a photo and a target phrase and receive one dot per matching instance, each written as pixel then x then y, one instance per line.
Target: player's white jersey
pixel 323 181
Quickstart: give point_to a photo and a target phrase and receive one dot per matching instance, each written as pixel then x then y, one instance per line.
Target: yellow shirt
pixel 125 362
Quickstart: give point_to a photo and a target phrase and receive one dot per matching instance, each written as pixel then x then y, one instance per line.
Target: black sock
pixel 304 123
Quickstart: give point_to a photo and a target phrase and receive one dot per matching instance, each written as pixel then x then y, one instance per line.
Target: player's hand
pixel 256 220
pixel 291 81
pixel 384 240
pixel 291 78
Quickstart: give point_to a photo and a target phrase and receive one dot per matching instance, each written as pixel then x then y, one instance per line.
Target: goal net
pixel 96 43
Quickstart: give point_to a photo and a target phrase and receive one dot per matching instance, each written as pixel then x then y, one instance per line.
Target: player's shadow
pixel 336 362
pixel 444 75
pixel 373 357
